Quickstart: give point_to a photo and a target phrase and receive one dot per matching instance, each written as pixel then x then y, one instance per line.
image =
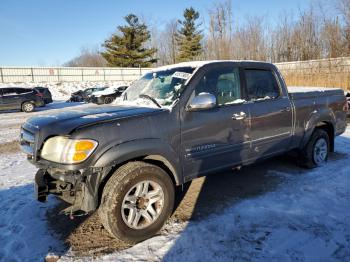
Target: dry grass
pixel 323 73
pixel 330 79
pixel 9 147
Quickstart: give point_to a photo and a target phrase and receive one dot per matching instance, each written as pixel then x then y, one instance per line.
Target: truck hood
pixel 64 123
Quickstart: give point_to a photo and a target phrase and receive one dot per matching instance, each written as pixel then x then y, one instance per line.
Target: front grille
pixel 27 142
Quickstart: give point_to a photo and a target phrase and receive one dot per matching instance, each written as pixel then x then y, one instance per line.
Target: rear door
pixel 270 112
pixel 219 137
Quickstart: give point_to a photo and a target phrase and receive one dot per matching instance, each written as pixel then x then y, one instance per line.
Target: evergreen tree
pixel 127 47
pixel 189 37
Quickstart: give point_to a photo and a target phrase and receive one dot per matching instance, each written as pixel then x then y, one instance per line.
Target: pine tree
pixel 189 37
pixel 126 48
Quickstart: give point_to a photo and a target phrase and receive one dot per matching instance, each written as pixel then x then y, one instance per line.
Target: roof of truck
pixel 196 64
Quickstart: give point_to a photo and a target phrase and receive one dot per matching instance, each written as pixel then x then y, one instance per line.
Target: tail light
pixel 39 94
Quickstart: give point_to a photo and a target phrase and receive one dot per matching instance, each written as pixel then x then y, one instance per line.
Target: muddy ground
pixel 9 147
pixel 200 198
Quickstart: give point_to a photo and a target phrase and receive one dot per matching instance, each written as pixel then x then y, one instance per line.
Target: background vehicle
pixel 25 99
pixel 46 94
pixel 108 95
pixel 175 124
pixel 84 95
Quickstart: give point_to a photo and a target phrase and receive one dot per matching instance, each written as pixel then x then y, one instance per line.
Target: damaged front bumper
pixel 78 188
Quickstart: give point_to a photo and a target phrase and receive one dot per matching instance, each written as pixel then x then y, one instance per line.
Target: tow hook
pixel 73 212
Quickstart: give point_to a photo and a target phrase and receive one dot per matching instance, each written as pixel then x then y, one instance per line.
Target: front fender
pixel 154 149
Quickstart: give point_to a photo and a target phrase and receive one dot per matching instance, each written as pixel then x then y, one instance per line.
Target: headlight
pixel 63 150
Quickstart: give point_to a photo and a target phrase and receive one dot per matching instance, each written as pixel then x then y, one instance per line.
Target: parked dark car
pixel 84 95
pixel 174 124
pixel 25 99
pixel 45 93
pixel 108 95
pixel 348 99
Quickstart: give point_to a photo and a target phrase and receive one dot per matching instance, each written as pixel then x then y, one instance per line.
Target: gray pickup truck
pixel 172 125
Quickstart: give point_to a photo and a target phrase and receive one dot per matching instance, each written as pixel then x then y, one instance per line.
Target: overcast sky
pixel 46 33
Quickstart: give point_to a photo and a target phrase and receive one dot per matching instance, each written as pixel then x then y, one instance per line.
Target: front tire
pixel 316 151
pixel 28 107
pixel 136 201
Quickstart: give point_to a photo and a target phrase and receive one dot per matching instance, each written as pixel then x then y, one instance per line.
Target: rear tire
pixel 28 107
pixel 129 210
pixel 316 151
pixel 108 100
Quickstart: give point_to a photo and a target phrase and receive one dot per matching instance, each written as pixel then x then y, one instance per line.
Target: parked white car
pixel 108 95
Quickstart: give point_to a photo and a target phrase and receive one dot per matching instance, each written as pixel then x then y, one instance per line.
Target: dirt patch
pixel 200 198
pixel 9 147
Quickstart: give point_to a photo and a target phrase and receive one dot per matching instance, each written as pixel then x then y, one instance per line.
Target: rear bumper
pixel 39 103
pixel 48 100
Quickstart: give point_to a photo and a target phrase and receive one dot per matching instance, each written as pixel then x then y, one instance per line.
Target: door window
pixel 223 83
pixel 261 84
pixel 9 92
pixel 23 90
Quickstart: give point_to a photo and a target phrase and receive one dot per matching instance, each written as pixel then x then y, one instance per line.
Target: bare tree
pixel 220 31
pixel 332 39
pixel 344 7
pixel 167 44
pixel 281 39
pixel 250 41
pixel 87 57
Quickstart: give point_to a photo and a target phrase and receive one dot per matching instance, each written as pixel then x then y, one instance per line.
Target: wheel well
pixel 328 127
pixel 151 159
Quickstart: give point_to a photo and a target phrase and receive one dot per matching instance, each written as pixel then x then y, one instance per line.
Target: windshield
pixel 163 86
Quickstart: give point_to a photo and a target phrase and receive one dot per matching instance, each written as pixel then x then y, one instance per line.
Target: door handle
pixel 285 109
pixel 239 116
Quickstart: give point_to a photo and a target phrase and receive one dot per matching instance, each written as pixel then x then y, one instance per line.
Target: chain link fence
pixel 323 73
pixel 68 74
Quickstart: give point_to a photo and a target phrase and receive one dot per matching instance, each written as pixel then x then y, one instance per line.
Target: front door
pixel 9 98
pixel 218 137
pixel 270 113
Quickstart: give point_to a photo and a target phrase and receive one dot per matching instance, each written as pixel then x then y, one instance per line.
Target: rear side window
pixel 261 84
pixel 9 92
pixel 23 90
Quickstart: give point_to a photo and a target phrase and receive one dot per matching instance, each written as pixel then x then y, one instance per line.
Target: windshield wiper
pixel 150 98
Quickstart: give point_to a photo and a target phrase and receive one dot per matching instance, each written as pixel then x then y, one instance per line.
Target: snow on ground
pixel 62 90
pixel 306 218
pixel 23 230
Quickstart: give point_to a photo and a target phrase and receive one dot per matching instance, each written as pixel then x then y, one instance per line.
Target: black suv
pixel 45 93
pixel 25 99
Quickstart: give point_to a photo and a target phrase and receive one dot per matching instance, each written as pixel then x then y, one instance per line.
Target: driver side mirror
pixel 201 102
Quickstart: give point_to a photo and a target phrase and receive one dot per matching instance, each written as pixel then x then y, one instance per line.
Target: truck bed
pixel 299 92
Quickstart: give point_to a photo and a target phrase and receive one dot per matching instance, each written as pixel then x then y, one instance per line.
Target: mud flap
pixel 41 189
